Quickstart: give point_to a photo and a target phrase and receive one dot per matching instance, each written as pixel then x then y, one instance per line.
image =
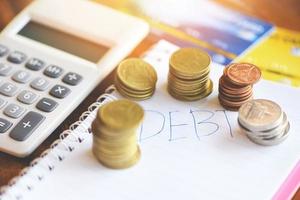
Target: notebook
pixel 190 150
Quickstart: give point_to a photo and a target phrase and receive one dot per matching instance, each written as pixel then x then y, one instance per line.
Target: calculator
pixel 52 55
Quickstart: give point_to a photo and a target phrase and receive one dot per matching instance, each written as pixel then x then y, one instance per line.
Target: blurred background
pixel 264 32
pixel 285 13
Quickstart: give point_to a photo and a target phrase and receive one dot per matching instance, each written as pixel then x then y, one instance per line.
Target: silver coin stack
pixel 264 122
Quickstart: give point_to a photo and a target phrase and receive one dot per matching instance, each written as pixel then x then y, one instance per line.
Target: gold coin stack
pixel 135 79
pixel 236 83
pixel 188 78
pixel 114 134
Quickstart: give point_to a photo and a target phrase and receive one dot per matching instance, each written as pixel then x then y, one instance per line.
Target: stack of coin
pixel 135 79
pixel 114 134
pixel 235 85
pixel 264 122
pixel 188 78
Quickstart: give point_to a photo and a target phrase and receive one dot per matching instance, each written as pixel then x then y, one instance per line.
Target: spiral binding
pixel 57 151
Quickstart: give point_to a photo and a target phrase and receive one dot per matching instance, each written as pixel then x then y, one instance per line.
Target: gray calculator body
pixel 43 80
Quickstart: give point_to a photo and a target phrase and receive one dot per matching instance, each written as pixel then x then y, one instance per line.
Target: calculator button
pixel 60 91
pixel 26 126
pixel 8 89
pixel 72 78
pixel 3 50
pixel 21 77
pixel 5 69
pixel 46 105
pixel 40 84
pixel 2 103
pixel 4 125
pixel 35 64
pixel 53 71
pixel 13 110
pixel 16 57
pixel 27 97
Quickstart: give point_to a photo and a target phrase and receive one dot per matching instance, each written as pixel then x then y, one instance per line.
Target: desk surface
pixel 281 13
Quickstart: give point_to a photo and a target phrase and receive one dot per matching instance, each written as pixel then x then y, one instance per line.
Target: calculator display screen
pixel 64 41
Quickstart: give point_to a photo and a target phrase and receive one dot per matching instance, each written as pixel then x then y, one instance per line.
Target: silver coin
pixel 266 134
pixel 270 142
pixel 260 115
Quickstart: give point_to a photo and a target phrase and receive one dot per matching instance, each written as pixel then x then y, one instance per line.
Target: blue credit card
pixel 233 36
pixel 219 27
pixel 216 57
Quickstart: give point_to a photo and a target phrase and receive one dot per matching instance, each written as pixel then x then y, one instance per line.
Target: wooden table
pixel 281 13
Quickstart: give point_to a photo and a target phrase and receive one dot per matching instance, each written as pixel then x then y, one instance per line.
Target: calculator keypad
pixel 5 69
pixel 4 125
pixel 26 126
pixel 40 84
pixel 21 76
pixel 27 97
pixel 14 110
pixel 8 89
pixel 3 50
pixel 21 121
pixel 46 105
pixel 2 103
pixel 72 78
pixel 53 71
pixel 16 57
pixel 35 64
pixel 60 91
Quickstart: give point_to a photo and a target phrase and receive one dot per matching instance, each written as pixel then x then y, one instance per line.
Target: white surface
pixel 87 20
pixel 218 166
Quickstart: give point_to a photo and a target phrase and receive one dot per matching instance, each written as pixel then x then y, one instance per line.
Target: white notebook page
pixel 190 150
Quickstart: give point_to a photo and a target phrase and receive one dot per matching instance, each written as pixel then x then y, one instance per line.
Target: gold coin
pixel 189 61
pixel 120 164
pixel 189 76
pixel 121 114
pixel 192 97
pixel 187 85
pixel 135 96
pixel 191 91
pixel 137 74
pixel 190 81
pixel 129 90
pixel 124 149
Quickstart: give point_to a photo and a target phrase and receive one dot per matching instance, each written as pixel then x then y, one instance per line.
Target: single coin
pixel 121 114
pixel 137 74
pixel 225 83
pixel 243 73
pixel 189 61
pixel 260 114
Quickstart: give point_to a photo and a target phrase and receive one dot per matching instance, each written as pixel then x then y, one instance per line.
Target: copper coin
pixel 234 92
pixel 228 85
pixel 235 98
pixel 243 73
pixel 236 95
pixel 232 103
pixel 234 106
